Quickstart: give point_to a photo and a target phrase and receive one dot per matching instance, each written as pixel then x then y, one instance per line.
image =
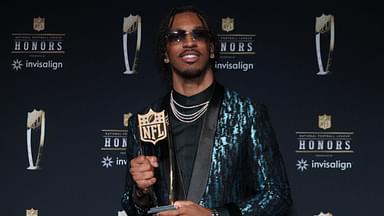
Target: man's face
pixel 188 48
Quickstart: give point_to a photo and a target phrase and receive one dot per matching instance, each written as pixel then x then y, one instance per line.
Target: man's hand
pixel 143 171
pixel 187 208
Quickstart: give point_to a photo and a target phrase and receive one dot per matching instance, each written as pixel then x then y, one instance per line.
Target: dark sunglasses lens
pixel 201 34
pixel 197 34
pixel 176 36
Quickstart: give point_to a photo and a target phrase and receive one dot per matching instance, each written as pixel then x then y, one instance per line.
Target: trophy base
pixel 129 72
pixel 33 168
pixel 158 209
pixel 323 72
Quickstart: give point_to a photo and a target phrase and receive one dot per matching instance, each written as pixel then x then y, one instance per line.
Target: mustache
pixel 190 51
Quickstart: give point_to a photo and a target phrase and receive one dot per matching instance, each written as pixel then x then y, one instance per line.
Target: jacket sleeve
pixel 268 183
pixel 131 203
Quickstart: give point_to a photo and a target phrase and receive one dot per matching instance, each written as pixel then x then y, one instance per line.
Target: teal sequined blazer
pixel 238 168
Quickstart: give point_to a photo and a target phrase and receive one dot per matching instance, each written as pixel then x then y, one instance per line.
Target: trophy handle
pixel 171 163
pixel 171 206
pixel 150 189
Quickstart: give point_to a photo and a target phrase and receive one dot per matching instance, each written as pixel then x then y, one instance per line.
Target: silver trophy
pixel 131 25
pixel 35 120
pixel 325 24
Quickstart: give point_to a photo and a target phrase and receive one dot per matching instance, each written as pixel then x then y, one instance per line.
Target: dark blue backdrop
pixel 90 94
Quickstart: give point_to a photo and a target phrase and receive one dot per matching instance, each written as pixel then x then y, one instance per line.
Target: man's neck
pixel 189 87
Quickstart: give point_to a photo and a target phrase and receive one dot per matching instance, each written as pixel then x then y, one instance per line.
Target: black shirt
pixel 186 137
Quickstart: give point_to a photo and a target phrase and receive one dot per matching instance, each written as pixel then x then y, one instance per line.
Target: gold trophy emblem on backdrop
pixel 153 127
pixel 35 121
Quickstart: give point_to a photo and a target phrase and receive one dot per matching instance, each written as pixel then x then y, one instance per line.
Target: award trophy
pixel 153 127
pixel 325 24
pixel 36 120
pixel 131 25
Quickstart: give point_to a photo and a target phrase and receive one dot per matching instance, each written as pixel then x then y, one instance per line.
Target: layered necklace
pixel 189 117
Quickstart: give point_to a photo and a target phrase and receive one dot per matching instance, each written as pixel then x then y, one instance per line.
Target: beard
pixel 191 73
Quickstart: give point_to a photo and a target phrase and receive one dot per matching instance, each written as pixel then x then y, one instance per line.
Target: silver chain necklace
pixel 188 118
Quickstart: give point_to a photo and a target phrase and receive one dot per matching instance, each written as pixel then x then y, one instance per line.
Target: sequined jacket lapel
pixel 201 168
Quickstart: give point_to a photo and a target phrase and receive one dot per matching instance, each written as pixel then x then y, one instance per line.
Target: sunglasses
pixel 177 36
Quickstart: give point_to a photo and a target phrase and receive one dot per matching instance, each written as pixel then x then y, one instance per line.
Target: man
pixel 227 157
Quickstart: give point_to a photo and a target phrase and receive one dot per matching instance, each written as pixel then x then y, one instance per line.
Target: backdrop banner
pixel 72 77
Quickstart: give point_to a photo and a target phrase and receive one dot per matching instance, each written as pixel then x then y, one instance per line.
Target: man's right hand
pixel 143 171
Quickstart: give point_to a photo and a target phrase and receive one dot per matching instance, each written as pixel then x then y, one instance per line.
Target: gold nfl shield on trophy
pixel 227 24
pixel 152 126
pixel 39 24
pixel 325 121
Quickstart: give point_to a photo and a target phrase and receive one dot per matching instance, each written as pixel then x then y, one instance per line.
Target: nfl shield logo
pixel 39 24
pixel 325 121
pixel 227 24
pixel 152 126
pixel 32 212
